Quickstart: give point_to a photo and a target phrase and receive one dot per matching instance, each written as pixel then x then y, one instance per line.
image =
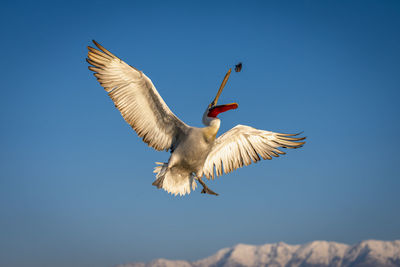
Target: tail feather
pixel 175 181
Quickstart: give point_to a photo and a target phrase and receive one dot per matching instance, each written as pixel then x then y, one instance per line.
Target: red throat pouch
pixel 213 113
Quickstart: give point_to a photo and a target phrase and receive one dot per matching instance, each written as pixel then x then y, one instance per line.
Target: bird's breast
pixel 194 149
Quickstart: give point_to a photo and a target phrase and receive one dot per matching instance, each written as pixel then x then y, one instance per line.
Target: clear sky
pixel 75 180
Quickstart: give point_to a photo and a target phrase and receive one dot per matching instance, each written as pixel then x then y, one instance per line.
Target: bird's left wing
pixel 243 145
pixel 137 99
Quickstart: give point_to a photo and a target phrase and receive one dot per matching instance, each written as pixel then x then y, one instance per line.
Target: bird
pixel 195 151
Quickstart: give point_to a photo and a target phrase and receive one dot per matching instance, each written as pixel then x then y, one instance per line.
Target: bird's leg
pixel 206 190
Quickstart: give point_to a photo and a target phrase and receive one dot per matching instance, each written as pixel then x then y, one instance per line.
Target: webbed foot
pixel 206 190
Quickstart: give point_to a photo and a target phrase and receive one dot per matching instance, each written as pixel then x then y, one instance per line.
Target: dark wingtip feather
pixel 282 134
pixel 103 49
pixel 291 138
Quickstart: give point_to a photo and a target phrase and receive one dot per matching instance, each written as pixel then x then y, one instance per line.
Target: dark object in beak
pixel 238 67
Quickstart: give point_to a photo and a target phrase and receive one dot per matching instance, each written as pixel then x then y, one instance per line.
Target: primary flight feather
pixel 194 151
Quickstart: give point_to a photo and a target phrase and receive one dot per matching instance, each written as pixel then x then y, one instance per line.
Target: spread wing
pixel 242 145
pixel 137 99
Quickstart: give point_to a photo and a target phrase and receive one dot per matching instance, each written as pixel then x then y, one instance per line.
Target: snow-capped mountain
pixel 370 253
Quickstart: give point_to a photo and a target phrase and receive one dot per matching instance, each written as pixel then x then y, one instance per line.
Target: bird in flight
pixel 195 152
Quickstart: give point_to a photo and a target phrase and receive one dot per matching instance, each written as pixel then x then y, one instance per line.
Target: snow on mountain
pixel 368 253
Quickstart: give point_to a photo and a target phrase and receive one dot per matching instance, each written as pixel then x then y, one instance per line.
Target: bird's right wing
pixel 242 145
pixel 137 99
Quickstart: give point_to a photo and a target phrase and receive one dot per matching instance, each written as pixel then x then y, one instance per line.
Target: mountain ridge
pixel 368 253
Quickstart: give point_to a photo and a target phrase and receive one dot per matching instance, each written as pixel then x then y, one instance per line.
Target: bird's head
pixel 213 109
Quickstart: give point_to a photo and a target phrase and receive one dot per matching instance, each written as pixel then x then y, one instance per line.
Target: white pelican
pixel 194 151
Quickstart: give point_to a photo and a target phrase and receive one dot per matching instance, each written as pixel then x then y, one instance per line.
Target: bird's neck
pixel 212 128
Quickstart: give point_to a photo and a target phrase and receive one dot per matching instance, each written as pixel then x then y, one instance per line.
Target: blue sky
pixel 75 181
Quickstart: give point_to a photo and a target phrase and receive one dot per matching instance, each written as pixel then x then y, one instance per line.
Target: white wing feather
pixel 137 99
pixel 243 145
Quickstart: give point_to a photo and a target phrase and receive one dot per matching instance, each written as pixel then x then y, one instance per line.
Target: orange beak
pixel 224 81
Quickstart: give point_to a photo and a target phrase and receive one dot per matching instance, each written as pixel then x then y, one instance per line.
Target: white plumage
pixel 137 99
pixel 194 151
pixel 242 145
